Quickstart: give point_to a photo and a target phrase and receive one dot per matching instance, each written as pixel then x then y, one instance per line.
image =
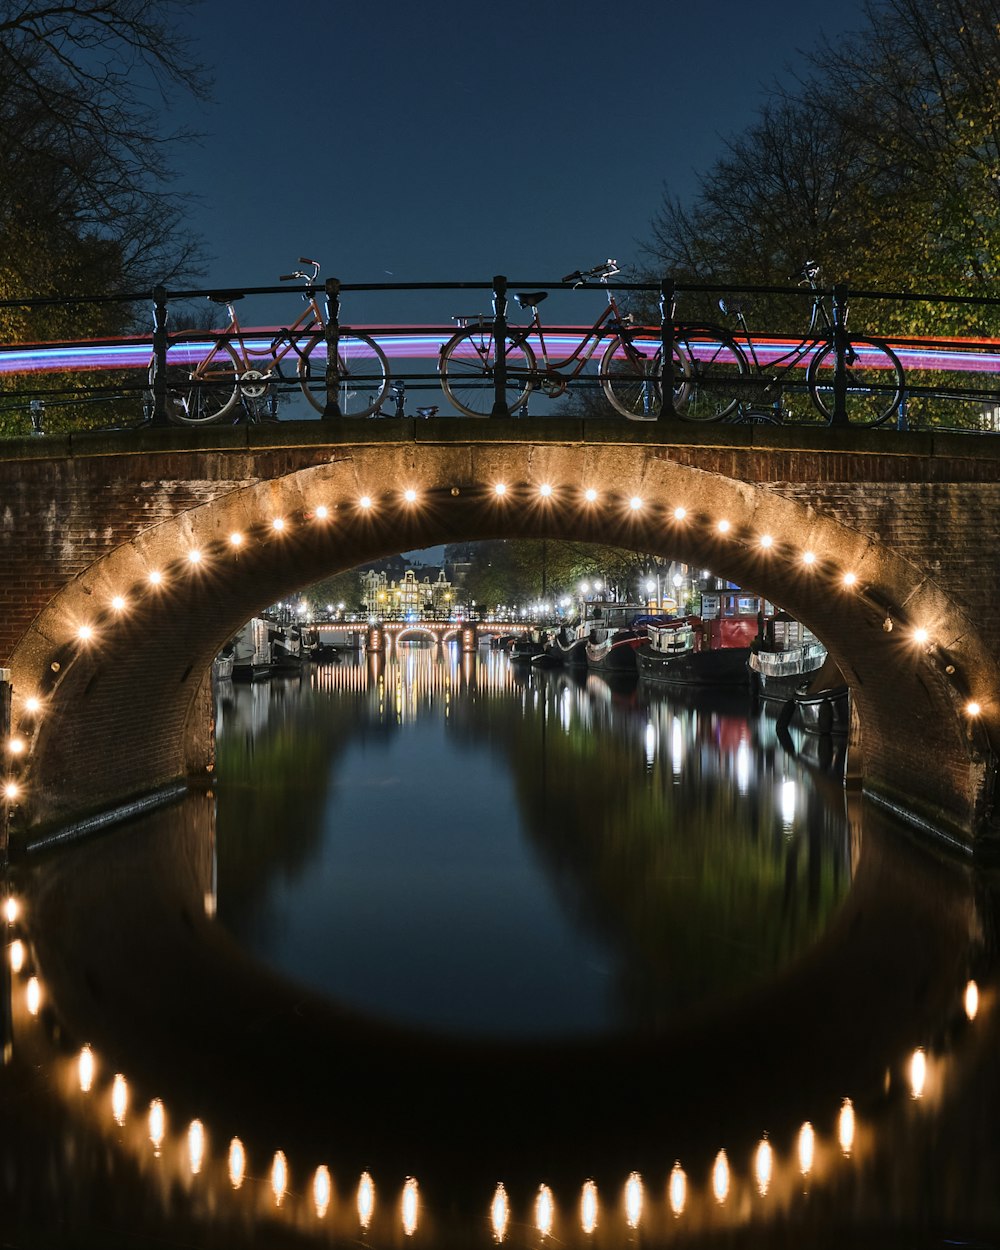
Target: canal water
pixel 458 953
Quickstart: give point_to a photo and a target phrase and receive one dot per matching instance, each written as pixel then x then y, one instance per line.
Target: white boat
pixel 252 651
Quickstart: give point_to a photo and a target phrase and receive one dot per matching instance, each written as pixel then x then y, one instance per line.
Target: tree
pixel 880 162
pixel 85 202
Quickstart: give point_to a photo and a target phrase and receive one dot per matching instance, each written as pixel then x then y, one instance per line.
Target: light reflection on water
pixel 140 1041
pixel 473 849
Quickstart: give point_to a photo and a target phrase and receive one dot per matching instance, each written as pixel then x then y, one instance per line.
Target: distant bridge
pixel 127 562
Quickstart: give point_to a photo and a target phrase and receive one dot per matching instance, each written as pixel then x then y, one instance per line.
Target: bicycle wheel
pixel 718 373
pixel 364 374
pixel 201 388
pixel 466 369
pixel 630 375
pixel 874 381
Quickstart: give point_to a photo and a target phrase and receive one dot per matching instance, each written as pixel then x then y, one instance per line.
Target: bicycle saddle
pixel 530 299
pixel 225 297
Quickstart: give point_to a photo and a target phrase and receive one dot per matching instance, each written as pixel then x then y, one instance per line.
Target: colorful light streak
pixel 425 343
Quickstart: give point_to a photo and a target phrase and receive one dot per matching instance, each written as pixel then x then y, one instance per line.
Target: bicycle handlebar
pixel 606 270
pixel 309 277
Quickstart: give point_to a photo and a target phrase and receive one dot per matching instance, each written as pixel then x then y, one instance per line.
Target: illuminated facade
pixel 406 598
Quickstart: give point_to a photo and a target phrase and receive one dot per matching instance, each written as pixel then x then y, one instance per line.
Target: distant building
pixel 395 599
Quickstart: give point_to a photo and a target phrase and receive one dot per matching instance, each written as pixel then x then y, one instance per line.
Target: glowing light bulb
pixel 16 746
pixel 808 557
pixel 720 1177
pixel 920 634
pixel 588 1207
pixel 118 603
pixel 16 955
pixel 766 541
pixel 680 514
pixel 236 539
pixel 278 524
pixel 846 1126
pixel 763 1166
pixel 196 1146
pixel 11 790
pixel 723 526
pixel 545 1209
pixel 10 909
pixel 633 1200
pixel 366 1200
pixel 33 996
pixel 500 489
pixel 157 1123
pixel 85 633
pixel 85 1069
pixel 545 490
pixel 119 1098
pixel 971 1000
pixel 194 556
pixel 365 501
pixel 635 503
pixel 322 1191
pixel 973 708
pixel 677 1189
pixel 32 704
pixel 279 1177
pixel 237 1163
pixel 807 1148
pixel 322 512
pixel 918 1072
pixel 410 496
pixel 590 495
pixel 410 1206
pixel 850 579
pixel 155 578
pixel 499 1212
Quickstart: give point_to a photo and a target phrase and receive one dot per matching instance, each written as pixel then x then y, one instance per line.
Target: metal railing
pixel 942 374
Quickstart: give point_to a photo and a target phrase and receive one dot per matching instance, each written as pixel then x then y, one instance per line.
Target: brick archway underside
pixel 130 710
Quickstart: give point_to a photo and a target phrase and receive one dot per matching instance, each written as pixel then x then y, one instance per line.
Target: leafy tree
pixel 880 163
pixel 85 203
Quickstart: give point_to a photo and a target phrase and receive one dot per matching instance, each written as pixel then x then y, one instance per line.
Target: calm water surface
pixel 455 954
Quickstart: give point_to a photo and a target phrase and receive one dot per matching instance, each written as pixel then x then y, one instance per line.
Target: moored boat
pixel 525 646
pixel 691 652
pixel 613 650
pixel 790 666
pixel 565 647
pixel 252 651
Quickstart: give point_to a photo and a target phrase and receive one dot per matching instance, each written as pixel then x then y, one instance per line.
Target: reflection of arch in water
pixel 222 1038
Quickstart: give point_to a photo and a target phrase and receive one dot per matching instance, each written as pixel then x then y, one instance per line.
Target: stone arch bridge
pixel 128 559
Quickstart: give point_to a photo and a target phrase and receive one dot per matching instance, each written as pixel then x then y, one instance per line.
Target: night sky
pixel 451 141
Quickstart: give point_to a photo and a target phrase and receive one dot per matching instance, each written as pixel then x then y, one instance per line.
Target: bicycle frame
pixel 776 369
pixel 309 321
pixel 551 368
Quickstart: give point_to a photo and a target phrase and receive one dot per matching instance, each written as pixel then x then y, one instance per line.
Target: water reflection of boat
pixel 691 652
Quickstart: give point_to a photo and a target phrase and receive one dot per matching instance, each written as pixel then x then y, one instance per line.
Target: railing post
pixel 331 332
pixel 500 408
pixel 667 297
pixel 840 345
pixel 159 414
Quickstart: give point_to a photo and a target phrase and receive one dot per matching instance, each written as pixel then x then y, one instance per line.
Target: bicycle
pixel 727 381
pixel 203 387
pixel 628 371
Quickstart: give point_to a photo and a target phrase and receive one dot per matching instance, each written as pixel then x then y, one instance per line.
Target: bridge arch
pixel 118 654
